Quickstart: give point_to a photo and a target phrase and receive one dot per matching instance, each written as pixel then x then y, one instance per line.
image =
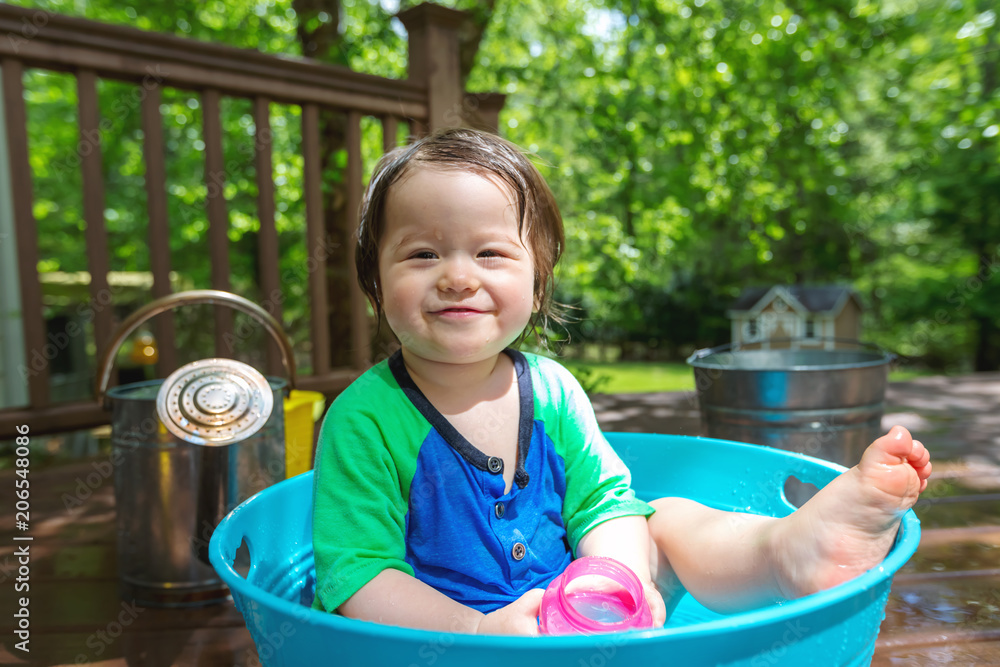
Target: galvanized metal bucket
pixel 176 480
pixel 820 397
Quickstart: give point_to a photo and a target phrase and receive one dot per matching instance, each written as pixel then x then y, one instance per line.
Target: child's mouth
pixel 458 312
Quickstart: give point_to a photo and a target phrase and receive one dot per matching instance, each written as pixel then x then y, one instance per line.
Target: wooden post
pixel 93 206
pixel 154 157
pixel 218 216
pixel 482 110
pixel 360 330
pixel 267 238
pixel 434 63
pixel 316 241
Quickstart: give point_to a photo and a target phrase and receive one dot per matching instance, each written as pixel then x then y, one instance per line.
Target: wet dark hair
pixel 539 222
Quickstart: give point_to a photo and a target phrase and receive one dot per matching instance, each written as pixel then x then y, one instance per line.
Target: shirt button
pixel 517 551
pixel 499 509
pixel 495 465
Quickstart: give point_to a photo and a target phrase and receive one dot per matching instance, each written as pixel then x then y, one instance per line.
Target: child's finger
pixel 657 608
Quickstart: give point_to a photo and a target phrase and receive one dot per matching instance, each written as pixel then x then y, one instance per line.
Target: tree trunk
pixel 988 334
pixel 988 343
pixel 321 39
pixel 339 224
pixel 471 35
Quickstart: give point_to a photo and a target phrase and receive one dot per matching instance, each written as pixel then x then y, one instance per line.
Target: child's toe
pixel 919 457
pixel 895 445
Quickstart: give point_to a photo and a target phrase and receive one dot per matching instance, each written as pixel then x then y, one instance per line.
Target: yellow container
pixel 302 410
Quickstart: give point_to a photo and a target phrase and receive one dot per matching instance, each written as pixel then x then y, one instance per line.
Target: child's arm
pixel 626 539
pixel 396 598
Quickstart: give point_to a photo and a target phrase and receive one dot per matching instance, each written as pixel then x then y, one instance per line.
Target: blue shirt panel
pixel 455 541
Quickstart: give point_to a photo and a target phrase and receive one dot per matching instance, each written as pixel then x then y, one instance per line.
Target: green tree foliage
pixel 696 147
pixel 699 147
pixel 927 224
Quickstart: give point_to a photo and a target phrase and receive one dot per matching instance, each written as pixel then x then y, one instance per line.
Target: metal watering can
pixel 187 450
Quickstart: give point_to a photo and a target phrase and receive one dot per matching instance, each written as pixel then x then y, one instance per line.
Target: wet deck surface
pixel 944 608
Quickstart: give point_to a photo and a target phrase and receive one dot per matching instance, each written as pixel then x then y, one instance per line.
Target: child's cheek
pixel 405 295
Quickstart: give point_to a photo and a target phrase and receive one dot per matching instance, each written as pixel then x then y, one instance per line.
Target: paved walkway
pixel 944 608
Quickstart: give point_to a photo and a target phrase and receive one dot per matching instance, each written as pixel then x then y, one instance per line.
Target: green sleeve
pixel 597 481
pixel 361 486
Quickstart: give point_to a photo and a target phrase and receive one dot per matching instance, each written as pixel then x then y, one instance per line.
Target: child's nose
pixel 458 275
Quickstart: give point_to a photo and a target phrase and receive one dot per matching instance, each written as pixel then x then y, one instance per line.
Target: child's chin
pixel 454 354
pixel 472 353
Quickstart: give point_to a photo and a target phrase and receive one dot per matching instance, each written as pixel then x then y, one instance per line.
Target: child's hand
pixel 520 617
pixel 656 606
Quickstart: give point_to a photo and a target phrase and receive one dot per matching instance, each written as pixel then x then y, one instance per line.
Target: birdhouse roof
pixel 826 299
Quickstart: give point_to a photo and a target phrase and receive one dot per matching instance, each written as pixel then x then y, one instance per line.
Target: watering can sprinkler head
pixel 214 402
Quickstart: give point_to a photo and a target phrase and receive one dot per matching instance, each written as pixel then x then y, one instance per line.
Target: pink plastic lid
pixel 594 594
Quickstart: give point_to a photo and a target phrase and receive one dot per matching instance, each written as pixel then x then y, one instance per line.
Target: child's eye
pixel 423 254
pixel 487 254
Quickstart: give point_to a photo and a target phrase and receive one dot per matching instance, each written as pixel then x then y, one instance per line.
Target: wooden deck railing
pixel 431 97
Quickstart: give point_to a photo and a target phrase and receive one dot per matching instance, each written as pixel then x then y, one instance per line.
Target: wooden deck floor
pixel 76 615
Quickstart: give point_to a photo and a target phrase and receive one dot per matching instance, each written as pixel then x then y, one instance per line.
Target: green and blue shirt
pixel 397 486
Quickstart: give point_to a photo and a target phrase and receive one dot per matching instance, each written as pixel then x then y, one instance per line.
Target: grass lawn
pixel 629 377
pixel 633 377
pixel 903 374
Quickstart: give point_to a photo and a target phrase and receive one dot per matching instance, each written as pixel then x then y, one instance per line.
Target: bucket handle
pixel 192 297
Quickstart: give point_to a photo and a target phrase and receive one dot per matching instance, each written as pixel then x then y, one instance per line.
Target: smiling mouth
pixel 457 311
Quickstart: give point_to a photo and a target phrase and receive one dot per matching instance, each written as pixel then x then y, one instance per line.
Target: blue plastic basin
pixel 834 627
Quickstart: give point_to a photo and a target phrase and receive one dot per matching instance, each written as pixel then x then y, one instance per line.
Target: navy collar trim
pixel 458 442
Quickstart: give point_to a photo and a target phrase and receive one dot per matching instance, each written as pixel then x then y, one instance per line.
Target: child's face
pixel 457 280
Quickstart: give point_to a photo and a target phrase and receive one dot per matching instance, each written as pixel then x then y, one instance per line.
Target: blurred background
pixel 728 171
pixel 697 148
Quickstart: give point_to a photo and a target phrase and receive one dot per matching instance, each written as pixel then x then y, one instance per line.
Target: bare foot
pixel 850 525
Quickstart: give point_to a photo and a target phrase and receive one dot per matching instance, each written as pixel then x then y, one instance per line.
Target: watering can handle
pixel 193 297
